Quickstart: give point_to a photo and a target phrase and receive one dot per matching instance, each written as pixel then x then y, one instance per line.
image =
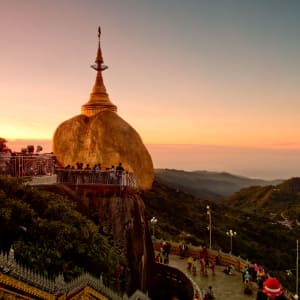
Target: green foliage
pixel 282 198
pixel 49 235
pixel 179 215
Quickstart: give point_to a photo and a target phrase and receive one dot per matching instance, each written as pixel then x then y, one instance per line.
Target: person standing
pixel 213 266
pixel 119 172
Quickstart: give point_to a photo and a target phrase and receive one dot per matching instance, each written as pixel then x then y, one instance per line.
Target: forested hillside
pixel 49 235
pixel 279 202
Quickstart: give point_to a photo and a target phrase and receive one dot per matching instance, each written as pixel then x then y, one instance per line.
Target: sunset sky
pixel 222 73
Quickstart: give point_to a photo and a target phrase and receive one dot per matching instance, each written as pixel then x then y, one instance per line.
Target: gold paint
pixel 99 99
pixel 13 283
pixel 86 294
pixel 12 289
pixel 103 138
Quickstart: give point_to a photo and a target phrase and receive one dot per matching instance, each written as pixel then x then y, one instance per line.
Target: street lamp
pixel 231 234
pixel 208 211
pixel 297 270
pixel 153 221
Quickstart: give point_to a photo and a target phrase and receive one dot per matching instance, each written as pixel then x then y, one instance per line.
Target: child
pixel 189 263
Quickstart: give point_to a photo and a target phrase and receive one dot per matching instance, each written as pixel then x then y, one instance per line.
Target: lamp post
pixel 153 221
pixel 231 234
pixel 297 270
pixel 208 211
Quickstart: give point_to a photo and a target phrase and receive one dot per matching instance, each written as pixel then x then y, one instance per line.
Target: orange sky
pixel 192 72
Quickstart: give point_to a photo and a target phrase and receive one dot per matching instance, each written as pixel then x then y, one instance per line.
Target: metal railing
pixel 44 165
pixel 80 177
pixel 27 165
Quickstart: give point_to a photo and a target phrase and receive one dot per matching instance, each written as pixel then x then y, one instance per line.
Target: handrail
pixel 223 258
pixel 79 177
pixel 27 165
pixel 37 165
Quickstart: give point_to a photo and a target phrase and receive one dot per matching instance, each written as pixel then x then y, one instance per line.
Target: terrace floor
pixel 226 287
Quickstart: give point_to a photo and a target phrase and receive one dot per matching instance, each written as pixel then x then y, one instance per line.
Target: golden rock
pixel 99 135
pixel 103 138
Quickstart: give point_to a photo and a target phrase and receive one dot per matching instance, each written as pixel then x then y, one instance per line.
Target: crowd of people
pixel 268 288
pixel 91 175
pixel 253 273
pixel 206 265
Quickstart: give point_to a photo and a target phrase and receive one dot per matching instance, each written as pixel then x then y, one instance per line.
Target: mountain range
pixel 207 185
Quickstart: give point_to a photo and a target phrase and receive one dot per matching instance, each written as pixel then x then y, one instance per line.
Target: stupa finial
pixel 99 99
pixel 99 66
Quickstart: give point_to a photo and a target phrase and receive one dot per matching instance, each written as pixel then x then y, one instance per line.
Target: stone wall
pixel 169 282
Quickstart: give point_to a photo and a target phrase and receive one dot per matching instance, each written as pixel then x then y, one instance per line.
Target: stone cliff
pixel 122 218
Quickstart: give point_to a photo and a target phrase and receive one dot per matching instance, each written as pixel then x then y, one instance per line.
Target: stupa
pixel 100 135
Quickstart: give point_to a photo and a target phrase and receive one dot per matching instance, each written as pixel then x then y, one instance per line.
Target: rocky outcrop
pixel 124 218
pixel 121 217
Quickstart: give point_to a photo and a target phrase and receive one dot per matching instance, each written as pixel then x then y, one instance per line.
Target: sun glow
pixel 14 131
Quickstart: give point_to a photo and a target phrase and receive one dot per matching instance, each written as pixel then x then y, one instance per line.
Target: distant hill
pixel 205 184
pixel 280 202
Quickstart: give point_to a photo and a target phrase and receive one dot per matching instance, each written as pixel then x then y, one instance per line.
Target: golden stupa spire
pixel 99 99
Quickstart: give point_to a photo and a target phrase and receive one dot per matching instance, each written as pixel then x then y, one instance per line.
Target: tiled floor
pixel 226 287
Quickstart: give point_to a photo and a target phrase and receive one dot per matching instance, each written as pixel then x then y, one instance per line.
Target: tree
pixel 49 235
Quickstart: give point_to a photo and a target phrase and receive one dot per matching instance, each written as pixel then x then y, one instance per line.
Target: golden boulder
pixel 103 138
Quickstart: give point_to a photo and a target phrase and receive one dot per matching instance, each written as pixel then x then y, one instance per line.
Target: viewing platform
pixel 39 167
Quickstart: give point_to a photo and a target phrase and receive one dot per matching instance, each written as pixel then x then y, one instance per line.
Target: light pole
pixel 208 211
pixel 297 270
pixel 153 221
pixel 231 234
